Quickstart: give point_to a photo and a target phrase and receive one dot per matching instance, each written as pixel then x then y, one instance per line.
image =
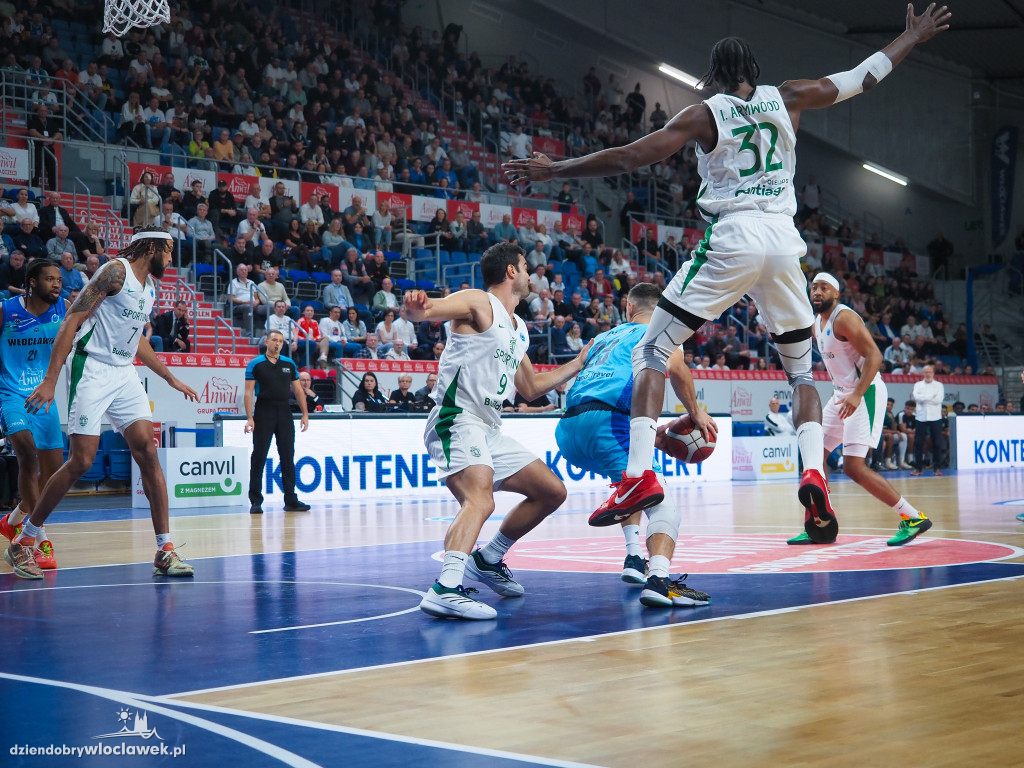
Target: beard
pixel 156 266
pixel 823 306
pixel 50 298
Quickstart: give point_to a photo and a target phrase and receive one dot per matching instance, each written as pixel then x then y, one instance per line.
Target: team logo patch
pixel 142 304
pixel 474 452
pixel 512 347
pixel 83 420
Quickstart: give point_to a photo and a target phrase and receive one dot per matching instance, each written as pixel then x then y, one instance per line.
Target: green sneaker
pixel 910 529
pixel 803 538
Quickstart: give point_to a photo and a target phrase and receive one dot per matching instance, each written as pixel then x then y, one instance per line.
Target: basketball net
pixel 121 15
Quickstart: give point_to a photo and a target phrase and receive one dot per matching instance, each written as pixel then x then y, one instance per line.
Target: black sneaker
pixel 663 593
pixel 256 509
pixel 296 506
pixel 634 569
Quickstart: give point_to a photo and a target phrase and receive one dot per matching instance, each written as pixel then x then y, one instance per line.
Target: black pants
pixel 272 420
pixel 924 429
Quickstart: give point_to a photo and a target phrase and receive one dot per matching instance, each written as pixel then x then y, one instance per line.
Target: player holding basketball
pixel 28 325
pixel 593 434
pixel 746 141
pixel 854 415
pixel 484 364
pixel 105 326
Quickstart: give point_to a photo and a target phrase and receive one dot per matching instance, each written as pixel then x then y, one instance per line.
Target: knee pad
pixel 665 333
pixel 795 353
pixel 663 518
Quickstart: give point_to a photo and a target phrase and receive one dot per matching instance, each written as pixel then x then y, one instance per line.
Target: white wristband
pixel 851 82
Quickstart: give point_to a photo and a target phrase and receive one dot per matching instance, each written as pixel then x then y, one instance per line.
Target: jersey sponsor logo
pixel 494 404
pixel 27 342
pixel 507 359
pixel 129 314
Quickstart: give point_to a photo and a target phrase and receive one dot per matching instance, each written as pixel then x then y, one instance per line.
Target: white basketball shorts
pixel 464 440
pixel 95 389
pixel 859 434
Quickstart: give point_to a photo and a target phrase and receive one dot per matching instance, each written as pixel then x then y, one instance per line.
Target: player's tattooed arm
pixel 108 280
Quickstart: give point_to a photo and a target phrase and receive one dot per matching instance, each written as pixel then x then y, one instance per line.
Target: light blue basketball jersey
pixel 25 344
pixel 607 375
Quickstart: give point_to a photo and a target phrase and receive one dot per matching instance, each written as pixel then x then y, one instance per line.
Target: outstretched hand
pixel 928 24
pixel 521 172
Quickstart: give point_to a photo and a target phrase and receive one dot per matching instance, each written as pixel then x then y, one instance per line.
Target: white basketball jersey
pixel 842 360
pixel 751 167
pixel 112 334
pixel 477 371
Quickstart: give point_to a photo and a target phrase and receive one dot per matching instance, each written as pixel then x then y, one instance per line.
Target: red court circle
pixel 758 553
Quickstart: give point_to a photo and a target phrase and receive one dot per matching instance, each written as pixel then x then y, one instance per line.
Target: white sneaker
pixel 498 577
pixel 890 464
pixel 445 602
pixel 904 465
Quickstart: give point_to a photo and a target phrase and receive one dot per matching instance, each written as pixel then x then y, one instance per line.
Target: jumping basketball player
pixel 484 364
pixel 746 141
pixel 854 415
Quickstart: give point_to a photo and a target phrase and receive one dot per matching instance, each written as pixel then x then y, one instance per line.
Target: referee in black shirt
pixel 269 378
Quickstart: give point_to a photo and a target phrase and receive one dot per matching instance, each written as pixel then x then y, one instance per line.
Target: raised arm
pixel 817 94
pixel 469 306
pixel 694 122
pixel 107 281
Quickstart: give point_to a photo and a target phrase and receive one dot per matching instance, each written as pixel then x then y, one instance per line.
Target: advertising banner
pixel 14 164
pixel 198 477
pixel 764 458
pixel 385 456
pixel 1004 168
pixel 989 442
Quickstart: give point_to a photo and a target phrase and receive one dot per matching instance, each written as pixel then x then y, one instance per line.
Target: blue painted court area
pixel 86 643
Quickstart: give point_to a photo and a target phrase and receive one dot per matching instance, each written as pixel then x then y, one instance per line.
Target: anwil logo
pixel 741 398
pixel 218 391
pixel 7 161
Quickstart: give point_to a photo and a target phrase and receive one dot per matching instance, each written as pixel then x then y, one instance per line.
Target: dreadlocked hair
pixel 140 248
pixel 732 63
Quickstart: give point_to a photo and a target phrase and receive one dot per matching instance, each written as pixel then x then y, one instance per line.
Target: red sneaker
pixel 631 495
pixel 820 521
pixel 8 530
pixel 44 556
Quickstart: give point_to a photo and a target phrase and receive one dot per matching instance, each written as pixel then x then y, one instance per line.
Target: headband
pixel 825 277
pixel 150 236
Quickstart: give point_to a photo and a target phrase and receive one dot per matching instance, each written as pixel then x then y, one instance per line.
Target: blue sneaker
pixel 1021 517
pixel 634 570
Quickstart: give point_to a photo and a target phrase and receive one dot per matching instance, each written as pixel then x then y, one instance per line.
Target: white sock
pixel 29 531
pixel 42 534
pixel 632 534
pixel 641 445
pixel 905 508
pixel 901 451
pixel 453 570
pixel 496 548
pixel 658 566
pixel 161 539
pixel 811 440
pixel 17 517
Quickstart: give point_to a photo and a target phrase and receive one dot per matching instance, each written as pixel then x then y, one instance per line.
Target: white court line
pixel 153 704
pixel 587 638
pixel 121 697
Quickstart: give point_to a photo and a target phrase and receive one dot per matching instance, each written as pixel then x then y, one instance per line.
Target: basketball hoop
pixel 121 15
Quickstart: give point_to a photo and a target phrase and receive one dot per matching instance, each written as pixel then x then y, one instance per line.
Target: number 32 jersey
pixel 477 371
pixel 111 335
pixel 751 167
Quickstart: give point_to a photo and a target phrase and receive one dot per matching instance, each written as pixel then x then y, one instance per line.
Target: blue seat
pixel 297 274
pixel 405 285
pixel 425 285
pixel 458 257
pixel 318 306
pixel 204 438
pixel 392 255
pixel 118 458
pixel 321 277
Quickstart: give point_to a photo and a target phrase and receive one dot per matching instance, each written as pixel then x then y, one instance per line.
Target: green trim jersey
pixel 842 360
pixel 477 371
pixel 111 334
pixel 751 168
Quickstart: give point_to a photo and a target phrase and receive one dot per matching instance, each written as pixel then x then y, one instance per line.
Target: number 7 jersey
pixel 111 334
pixel 751 167
pixel 477 371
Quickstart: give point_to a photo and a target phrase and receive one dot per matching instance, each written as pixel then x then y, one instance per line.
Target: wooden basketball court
pixel 300 642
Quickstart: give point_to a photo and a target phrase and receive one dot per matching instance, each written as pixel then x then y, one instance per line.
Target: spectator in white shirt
pixel 158 132
pixel 332 329
pixel 406 330
pixel 397 351
pixel 776 422
pixel 311 211
pixel 897 355
pixel 929 394
pixel 244 297
pixel 249 126
pixel 23 209
pixel 251 229
pixel 173 223
pixel 539 281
